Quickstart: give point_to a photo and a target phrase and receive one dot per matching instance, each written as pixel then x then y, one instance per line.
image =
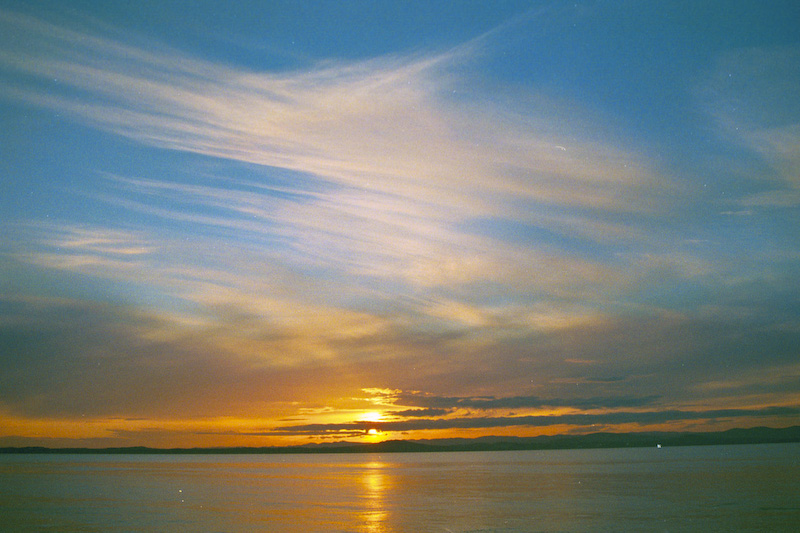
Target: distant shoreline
pixel 758 435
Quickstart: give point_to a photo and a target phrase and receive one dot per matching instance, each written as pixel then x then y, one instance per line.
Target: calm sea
pixel 709 488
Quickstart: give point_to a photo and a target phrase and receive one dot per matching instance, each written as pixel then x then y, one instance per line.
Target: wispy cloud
pixel 391 164
pixel 751 94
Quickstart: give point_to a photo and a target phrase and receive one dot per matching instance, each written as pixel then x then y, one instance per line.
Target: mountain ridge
pixel 757 435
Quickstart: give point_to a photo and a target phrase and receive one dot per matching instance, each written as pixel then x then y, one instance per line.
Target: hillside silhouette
pixel 758 435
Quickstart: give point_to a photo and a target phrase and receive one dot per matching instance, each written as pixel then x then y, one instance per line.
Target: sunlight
pixel 375 483
pixel 372 416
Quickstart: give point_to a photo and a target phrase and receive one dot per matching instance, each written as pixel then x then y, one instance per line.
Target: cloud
pixel 518 402
pixel 72 358
pixel 750 93
pixel 107 252
pixel 582 420
pixel 390 166
pixel 429 412
pixel 257 344
pixel 368 176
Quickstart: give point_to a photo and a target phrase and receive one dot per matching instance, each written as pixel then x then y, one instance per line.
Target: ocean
pixel 702 488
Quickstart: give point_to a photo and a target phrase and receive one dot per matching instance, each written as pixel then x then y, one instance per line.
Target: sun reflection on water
pixel 375 482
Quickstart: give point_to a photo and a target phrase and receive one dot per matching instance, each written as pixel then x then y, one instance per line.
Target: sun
pixel 372 416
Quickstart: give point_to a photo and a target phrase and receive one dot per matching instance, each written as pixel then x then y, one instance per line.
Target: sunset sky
pixel 275 222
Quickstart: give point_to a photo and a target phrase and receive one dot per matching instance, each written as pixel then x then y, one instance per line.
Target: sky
pixel 275 223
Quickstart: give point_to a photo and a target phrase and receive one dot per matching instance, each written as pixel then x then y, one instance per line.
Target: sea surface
pixel 704 488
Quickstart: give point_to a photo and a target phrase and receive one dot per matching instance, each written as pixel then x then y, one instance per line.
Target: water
pixel 712 488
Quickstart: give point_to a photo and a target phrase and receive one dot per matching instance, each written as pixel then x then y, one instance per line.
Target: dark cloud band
pixel 622 417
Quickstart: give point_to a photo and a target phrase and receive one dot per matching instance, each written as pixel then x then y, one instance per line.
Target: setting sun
pixel 372 416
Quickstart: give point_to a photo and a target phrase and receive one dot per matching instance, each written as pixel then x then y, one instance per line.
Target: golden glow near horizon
pixel 372 416
pixel 329 425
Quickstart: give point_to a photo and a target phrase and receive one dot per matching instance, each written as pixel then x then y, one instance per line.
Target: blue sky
pixel 270 222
